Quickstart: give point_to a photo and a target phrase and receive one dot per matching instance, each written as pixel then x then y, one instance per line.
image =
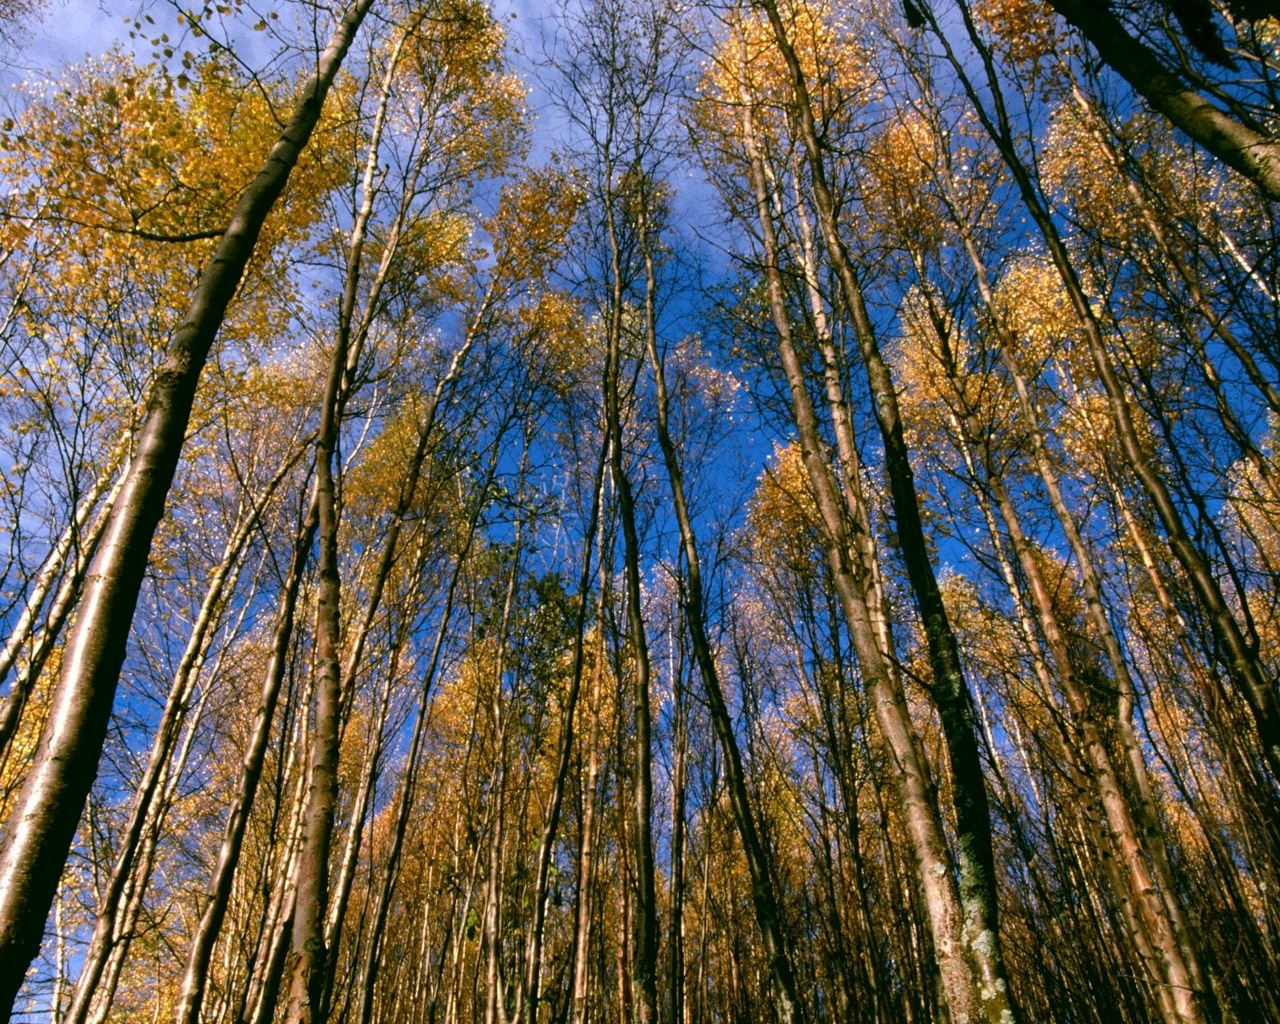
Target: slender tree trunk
pixel 587 868
pixel 551 817
pixel 150 805
pixel 270 932
pixel 66 562
pixel 267 995
pixel 988 987
pixel 369 776
pixel 963 980
pixel 645 951
pixel 768 914
pixel 38 841
pixel 679 799
pixel 219 891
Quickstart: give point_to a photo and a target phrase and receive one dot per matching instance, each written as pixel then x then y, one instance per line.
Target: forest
pixel 641 511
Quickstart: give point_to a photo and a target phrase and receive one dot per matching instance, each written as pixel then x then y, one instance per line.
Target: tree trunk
pixel 219 891
pixel 963 980
pixel 764 898
pixel 112 927
pixel 988 987
pixel 40 835
pixel 587 856
pixel 645 952
pixel 564 759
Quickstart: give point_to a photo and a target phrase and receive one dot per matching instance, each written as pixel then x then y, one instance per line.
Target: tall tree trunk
pixel 149 805
pixel 44 639
pixel 308 953
pixel 645 952
pixel 588 871
pixel 564 759
pixel 679 801
pixel 955 935
pixel 200 954
pixel 38 841
pixel 764 898
pixel 988 987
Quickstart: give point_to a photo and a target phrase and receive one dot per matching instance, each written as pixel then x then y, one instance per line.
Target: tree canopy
pixel 662 512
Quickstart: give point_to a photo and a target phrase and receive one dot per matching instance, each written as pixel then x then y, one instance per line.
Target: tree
pixel 51 801
pixel 967 941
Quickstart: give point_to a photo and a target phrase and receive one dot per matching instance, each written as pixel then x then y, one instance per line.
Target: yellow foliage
pixel 453 91
pixel 1076 166
pixel 1255 501
pixel 1081 163
pixel 375 484
pixel 933 367
pixel 567 352
pixel 782 516
pixel 138 153
pixel 531 226
pixel 830 44
pixel 901 163
pixel 1026 31
pixel 827 44
pixel 22 747
pixel 432 256
pixel 996 652
pixel 1033 307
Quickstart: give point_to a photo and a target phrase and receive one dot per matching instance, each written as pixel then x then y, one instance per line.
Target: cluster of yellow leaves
pixel 556 324
pixel 464 32
pixel 453 90
pixel 782 517
pixel 1025 31
pixel 1087 432
pixel 17 759
pixel 901 162
pixel 127 149
pixel 531 227
pixel 934 367
pixel 1088 155
pixel 376 483
pixel 1032 306
pixel 1255 500
pixel 1267 32
pixel 433 257
pixel 830 44
pixel 1076 167
pixel 952 393
pixel 992 643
